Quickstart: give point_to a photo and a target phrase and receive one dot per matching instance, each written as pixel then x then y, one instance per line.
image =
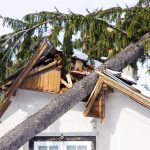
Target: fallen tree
pixel 64 102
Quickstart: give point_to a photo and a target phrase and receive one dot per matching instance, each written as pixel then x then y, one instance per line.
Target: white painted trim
pixel 62 145
pixel 77 143
pixel 68 134
pixel 47 143
pixel 96 134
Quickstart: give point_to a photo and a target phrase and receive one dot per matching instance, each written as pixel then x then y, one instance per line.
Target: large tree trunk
pixel 64 102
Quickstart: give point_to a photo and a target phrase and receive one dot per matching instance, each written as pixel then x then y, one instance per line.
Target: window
pixel 67 143
pixel 62 145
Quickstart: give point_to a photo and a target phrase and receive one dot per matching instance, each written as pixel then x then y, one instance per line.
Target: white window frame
pixel 78 143
pixel 62 145
pixel 47 143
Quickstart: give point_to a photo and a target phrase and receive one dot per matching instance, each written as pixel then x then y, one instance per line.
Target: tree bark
pixel 64 102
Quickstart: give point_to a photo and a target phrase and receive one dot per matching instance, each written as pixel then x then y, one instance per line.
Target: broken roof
pixel 120 82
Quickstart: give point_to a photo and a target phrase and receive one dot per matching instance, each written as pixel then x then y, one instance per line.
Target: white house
pixel 126 125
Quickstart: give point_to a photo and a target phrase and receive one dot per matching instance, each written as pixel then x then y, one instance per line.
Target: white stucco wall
pixel 126 125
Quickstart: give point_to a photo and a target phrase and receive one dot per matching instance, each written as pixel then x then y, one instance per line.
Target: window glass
pixel 42 148
pixel 81 147
pixel 53 147
pixel 71 147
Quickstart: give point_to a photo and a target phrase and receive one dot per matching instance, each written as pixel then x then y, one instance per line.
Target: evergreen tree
pixel 97 34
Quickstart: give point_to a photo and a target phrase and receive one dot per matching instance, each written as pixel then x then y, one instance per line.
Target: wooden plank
pixel 50 77
pixel 79 65
pixel 69 80
pixel 75 72
pixel 54 79
pixel 23 84
pixel 38 81
pixel 34 80
pixel 25 71
pixel 95 108
pixel 43 68
pixel 57 80
pixel 4 105
pixel 94 114
pixel 41 81
pixel 45 81
pixel 126 90
pixel 63 89
pixel 92 97
pixel 29 83
pixel 89 99
pixel 34 85
pixel 64 82
pixel 59 77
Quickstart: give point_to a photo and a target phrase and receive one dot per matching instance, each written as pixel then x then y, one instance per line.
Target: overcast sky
pixel 18 8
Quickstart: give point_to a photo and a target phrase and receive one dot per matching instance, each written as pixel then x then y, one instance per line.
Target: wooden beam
pixel 126 90
pixel 69 80
pixel 93 113
pixel 79 65
pixel 57 80
pixel 75 72
pixel 43 68
pixel 64 82
pixel 92 97
pixel 23 74
pixel 4 105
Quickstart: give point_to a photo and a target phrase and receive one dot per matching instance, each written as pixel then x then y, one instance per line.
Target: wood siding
pixel 48 81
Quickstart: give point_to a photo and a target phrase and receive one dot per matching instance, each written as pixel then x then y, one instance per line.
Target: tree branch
pixel 113 27
pixel 61 17
pixel 62 103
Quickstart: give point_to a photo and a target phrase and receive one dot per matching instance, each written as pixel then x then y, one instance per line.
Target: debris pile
pixel 48 73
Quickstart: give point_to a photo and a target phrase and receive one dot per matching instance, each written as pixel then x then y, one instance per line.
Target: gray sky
pixel 19 8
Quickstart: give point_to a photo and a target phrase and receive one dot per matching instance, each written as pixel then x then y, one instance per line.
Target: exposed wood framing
pixel 93 96
pixel 57 80
pixel 75 72
pixel 97 109
pixel 44 80
pixel 126 90
pixel 61 104
pixel 21 77
pixel 69 80
pixel 64 82
pixel 43 68
pixel 95 106
pixel 79 65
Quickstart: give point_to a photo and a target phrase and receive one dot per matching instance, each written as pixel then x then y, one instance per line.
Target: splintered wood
pixel 95 104
pixel 126 89
pixel 79 65
pixel 17 82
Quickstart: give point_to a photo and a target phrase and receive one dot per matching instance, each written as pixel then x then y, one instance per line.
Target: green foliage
pixel 95 36
pixel 54 36
pixel 14 24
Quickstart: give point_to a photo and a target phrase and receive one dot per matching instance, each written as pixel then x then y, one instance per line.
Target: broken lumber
pixel 36 123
